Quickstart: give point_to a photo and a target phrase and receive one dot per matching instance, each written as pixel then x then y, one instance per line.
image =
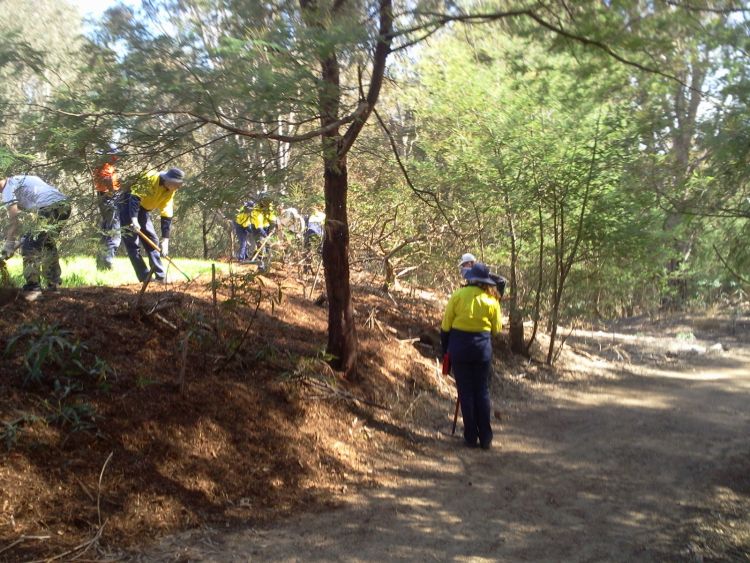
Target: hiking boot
pixel 53 287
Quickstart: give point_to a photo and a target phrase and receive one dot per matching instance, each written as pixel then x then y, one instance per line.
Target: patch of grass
pixel 80 271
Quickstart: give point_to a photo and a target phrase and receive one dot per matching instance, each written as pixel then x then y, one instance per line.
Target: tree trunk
pixel 204 235
pixel 515 330
pixel 342 336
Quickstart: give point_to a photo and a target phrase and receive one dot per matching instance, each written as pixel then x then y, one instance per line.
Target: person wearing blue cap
pixel 153 190
pixel 471 317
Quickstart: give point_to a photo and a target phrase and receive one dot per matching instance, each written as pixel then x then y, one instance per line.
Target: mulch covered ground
pixel 178 410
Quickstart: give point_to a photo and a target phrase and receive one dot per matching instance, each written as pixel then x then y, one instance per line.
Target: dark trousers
pixel 110 225
pixel 39 248
pixel 472 379
pixel 242 233
pixel 133 244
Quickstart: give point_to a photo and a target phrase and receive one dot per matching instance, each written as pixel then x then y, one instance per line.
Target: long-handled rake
pixel 152 244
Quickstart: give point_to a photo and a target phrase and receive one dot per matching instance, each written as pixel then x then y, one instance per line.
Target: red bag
pixel 446 364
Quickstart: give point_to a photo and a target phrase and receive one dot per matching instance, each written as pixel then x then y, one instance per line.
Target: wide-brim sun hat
pixel 174 175
pixel 467 258
pixel 479 273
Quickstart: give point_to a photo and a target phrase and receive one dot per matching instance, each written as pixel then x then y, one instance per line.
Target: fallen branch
pixel 165 321
pixel 143 289
pixel 408 340
pixel 163 304
pixel 328 390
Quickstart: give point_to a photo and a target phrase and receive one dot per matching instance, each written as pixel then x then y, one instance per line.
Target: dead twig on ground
pixel 21 540
pixel 85 546
pixel 326 390
pixel 99 490
pixel 163 304
pixel 164 321
pixel 411 405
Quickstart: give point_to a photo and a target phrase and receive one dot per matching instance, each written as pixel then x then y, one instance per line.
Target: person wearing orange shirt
pixel 107 186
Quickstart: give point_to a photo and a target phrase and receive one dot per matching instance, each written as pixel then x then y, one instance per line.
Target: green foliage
pixel 51 354
pixel 56 362
pixel 11 430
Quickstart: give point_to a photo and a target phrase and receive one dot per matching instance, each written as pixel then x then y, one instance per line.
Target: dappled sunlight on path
pixel 602 468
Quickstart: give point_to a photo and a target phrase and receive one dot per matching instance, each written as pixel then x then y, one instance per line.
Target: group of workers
pixel 125 216
pixel 472 315
pixel 257 220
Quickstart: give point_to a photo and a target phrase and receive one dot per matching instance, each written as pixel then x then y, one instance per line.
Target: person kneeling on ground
pixel 38 247
pixel 471 317
pixel 154 190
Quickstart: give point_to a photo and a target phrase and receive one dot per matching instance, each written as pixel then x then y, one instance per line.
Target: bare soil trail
pixel 640 454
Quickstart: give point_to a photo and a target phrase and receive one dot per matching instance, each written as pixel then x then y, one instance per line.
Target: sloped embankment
pixel 128 417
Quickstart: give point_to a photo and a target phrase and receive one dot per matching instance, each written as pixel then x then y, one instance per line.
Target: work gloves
pixel 135 224
pixel 8 249
pixel 165 247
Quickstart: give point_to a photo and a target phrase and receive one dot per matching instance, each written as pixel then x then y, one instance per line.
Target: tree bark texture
pixel 342 335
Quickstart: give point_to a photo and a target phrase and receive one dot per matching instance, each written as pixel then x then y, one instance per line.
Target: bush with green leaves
pixel 55 360
pixel 52 353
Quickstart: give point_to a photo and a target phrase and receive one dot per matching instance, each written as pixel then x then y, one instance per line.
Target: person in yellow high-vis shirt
pixel 471 317
pixel 263 222
pixel 242 228
pixel 153 190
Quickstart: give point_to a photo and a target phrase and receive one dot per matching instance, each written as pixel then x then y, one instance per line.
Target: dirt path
pixel 648 464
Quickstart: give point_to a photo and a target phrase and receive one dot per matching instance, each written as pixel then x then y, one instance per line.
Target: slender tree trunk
pixel 342 336
pixel 204 234
pixel 515 330
pixel 536 314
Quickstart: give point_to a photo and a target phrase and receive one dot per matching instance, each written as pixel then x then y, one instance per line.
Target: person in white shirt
pixel 38 246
